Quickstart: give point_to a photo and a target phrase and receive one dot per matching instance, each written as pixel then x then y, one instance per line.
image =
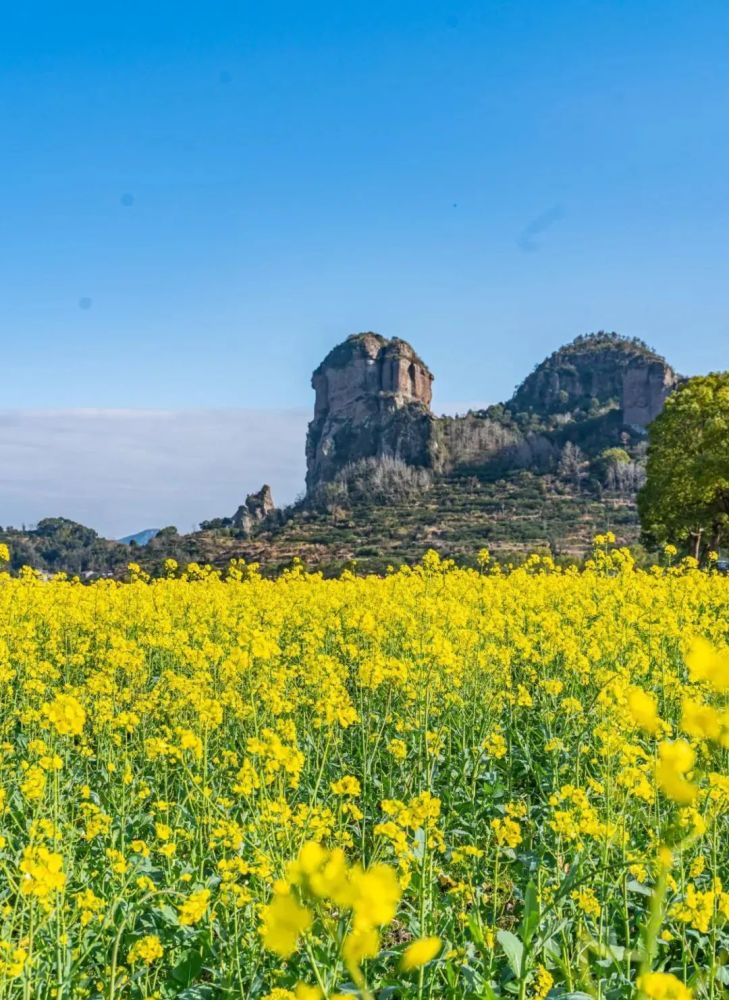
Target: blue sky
pixel 198 200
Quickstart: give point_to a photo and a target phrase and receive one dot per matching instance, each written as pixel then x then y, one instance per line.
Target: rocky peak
pixel 372 400
pixel 595 373
pixel 368 364
pixel 261 504
pixel 256 508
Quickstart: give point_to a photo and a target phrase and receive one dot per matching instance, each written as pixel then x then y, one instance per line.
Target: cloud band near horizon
pixel 120 471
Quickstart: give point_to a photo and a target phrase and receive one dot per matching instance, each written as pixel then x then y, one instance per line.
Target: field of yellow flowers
pixel 441 783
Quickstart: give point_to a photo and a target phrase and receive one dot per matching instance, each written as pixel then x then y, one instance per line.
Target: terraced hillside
pixel 458 515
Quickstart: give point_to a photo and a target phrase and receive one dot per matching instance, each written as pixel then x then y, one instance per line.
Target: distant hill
pixel 559 462
pixel 141 537
pixel 58 545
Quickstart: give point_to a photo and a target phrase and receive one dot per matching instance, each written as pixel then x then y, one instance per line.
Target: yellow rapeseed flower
pixel 42 873
pixel 284 920
pixel 348 785
pixel 375 895
pixel 194 907
pixel 643 708
pixel 66 714
pixel 675 759
pixel 420 952
pixel 663 986
pixel 146 949
pixel 12 960
pixel 709 664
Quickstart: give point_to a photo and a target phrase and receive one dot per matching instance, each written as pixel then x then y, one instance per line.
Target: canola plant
pixel 441 783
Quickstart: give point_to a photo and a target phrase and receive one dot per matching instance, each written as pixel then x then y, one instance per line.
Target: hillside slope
pixel 559 462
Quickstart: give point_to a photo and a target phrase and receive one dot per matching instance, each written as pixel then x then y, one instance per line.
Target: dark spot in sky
pixel 225 76
pixel 527 240
pixel 127 200
pixel 455 204
pixel 84 303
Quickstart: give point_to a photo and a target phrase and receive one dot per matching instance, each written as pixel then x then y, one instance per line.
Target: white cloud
pixel 123 470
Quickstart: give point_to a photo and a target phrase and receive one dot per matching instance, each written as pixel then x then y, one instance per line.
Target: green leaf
pixel 530 919
pixel 634 886
pixel 616 952
pixel 199 992
pixel 188 968
pixel 168 914
pixel 451 975
pixel 475 930
pixel 552 950
pixel 513 949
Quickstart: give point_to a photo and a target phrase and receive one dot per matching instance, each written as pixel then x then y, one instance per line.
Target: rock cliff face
pixel 372 401
pixel 596 373
pixel 645 388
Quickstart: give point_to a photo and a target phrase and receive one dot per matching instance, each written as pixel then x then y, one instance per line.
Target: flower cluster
pixel 505 781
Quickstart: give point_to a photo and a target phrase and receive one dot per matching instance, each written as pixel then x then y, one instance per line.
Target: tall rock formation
pixel 595 373
pixel 257 508
pixel 372 400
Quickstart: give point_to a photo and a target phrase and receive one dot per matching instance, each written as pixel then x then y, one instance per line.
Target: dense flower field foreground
pixel 443 783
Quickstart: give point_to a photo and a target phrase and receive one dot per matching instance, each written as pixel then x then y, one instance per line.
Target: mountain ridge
pixel 560 460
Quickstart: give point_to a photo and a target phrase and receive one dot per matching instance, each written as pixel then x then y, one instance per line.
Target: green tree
pixel 610 459
pixel 686 495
